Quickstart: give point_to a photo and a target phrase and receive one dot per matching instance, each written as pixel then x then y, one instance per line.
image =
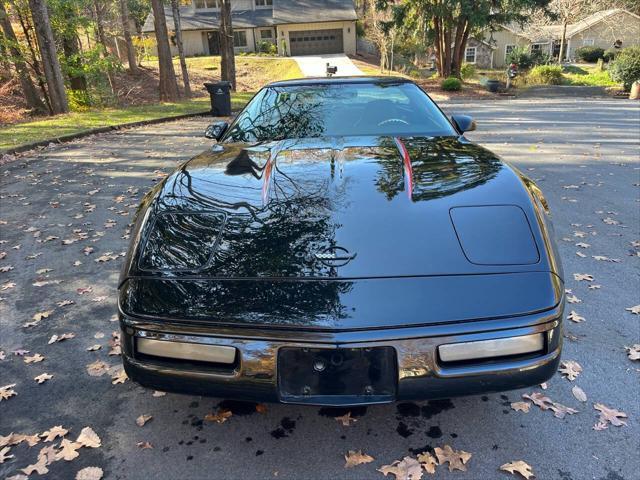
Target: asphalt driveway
pixel 64 215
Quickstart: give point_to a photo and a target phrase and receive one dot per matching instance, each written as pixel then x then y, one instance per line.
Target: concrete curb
pixel 74 136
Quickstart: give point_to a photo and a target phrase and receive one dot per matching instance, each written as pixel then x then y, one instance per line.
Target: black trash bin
pixel 220 93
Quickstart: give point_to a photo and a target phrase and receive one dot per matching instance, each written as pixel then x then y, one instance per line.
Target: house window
pixel 239 39
pixel 207 4
pixel 508 49
pixel 470 55
pixel 536 47
pixel 266 35
pixel 587 41
pixel 264 3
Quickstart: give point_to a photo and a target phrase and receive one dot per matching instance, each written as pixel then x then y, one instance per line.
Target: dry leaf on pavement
pixel 583 277
pixel 68 450
pixel 610 415
pixel 35 358
pixel 7 392
pixel 88 438
pixel 457 459
pixel 158 393
pixel 560 411
pixel 635 309
pixel 90 473
pixel 55 432
pixel 579 394
pixel 40 467
pixel 142 419
pixel 346 419
pixel 428 462
pixel 144 445
pixel 570 369
pixel 633 352
pixel 407 469
pixel 119 377
pixel 574 317
pixel 521 406
pixel 539 399
pixel 93 348
pixel 4 454
pixel 520 467
pixel 219 417
pixel 43 377
pixel 353 458
pixel 260 407
pixel 97 368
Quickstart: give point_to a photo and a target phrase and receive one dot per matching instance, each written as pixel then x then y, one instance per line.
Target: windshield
pixel 342 109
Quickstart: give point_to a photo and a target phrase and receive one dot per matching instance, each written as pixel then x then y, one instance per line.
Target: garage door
pixel 313 42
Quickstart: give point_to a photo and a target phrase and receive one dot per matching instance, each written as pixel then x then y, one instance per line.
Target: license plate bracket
pixel 337 376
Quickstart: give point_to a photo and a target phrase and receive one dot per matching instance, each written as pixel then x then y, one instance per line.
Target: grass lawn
pixel 49 128
pixel 586 75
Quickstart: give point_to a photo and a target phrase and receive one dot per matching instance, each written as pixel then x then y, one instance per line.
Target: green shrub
pixel 626 67
pixel 590 54
pixel 545 75
pixel 267 47
pixel 538 57
pixel 520 56
pixel 451 84
pixel 467 71
pixel 610 54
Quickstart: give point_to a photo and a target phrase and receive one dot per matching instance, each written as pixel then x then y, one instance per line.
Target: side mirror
pixel 464 123
pixel 216 130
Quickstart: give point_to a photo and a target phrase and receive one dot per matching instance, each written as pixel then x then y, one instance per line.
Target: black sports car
pixel 342 243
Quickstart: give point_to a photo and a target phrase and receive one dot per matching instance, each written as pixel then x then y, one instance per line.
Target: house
pixel 296 27
pixel 615 28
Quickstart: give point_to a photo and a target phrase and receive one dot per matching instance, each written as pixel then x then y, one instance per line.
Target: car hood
pixel 342 208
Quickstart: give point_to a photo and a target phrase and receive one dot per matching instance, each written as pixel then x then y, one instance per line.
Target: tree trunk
pixel 168 84
pixel 28 88
pixel 227 60
pixel 126 29
pixel 35 63
pixel 103 40
pixel 563 41
pixel 459 46
pixel 175 8
pixel 49 55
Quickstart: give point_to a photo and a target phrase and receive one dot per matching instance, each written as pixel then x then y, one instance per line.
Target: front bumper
pixel 421 374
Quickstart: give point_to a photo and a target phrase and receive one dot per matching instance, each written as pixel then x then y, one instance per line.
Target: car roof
pixel 379 80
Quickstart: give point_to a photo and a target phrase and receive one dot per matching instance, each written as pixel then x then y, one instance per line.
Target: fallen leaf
pixel 88 438
pixel 40 467
pixel 635 309
pixel 43 377
pixel 142 419
pixel 158 393
pixel 583 277
pixel 7 392
pixel 68 450
pixel 428 462
pixel 4 454
pixel 64 303
pixel 520 467
pixel 407 469
pixel 573 299
pixel 90 473
pixel 219 417
pixel 610 415
pixel 93 348
pixel 353 458
pixel 570 369
pixel 560 411
pixel 346 419
pixel 574 317
pixel 579 394
pixel 261 408
pixel 60 338
pixel 119 377
pixel 35 358
pixel 144 445
pixel 457 459
pixel 539 399
pixel 97 368
pixel 40 315
pixel 521 406
pixel 55 432
pixel 633 352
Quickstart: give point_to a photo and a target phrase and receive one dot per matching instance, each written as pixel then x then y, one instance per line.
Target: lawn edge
pixel 24 147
